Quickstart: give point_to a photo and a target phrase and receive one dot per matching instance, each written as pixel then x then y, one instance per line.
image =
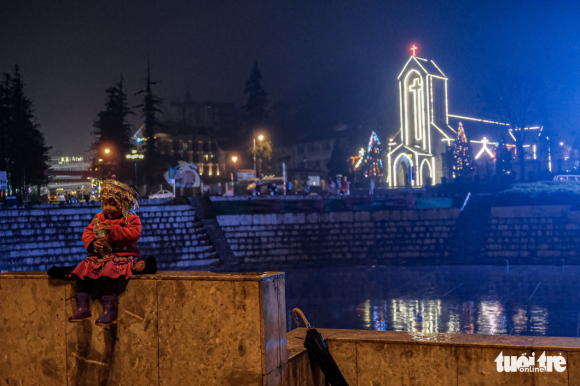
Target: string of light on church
pixel 432 144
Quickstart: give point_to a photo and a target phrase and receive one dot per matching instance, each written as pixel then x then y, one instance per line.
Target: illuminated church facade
pixel 416 153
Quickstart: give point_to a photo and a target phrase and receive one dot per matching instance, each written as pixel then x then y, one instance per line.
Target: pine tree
pixel 339 159
pixel 113 132
pixel 20 140
pixel 150 107
pixel 373 164
pixel 462 166
pixel 255 111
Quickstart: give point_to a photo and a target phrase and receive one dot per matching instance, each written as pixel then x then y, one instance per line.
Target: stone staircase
pixel 39 237
pixel 469 241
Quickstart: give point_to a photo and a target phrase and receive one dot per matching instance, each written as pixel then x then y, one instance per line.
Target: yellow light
pixel 260 137
pixel 133 151
pixel 107 151
pixel 141 156
pixel 478 120
pixel 561 143
pixel 235 159
pixel 100 160
pixel 128 156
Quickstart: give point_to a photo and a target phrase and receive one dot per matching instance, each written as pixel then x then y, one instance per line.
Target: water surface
pixel 521 300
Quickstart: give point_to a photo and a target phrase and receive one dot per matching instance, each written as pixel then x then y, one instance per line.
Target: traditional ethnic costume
pixel 119 259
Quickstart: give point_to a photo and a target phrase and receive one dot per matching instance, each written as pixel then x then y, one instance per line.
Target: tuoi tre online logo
pixel 529 364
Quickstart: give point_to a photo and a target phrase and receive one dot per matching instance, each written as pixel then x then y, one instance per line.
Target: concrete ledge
pixel 174 328
pixel 401 358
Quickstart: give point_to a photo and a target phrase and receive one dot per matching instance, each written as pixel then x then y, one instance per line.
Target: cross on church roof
pixel 414 49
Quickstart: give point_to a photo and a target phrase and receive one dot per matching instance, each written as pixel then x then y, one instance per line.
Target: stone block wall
pixel 384 237
pixel 43 236
pixel 401 358
pixel 534 235
pixel 174 328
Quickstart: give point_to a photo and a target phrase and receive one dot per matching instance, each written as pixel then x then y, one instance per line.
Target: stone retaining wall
pixel 37 238
pixel 174 328
pixel 401 358
pixel 534 235
pixel 385 237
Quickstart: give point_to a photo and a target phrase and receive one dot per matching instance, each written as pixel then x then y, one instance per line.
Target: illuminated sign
pixel 484 148
pixel 66 160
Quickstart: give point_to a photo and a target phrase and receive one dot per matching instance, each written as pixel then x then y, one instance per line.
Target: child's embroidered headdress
pixel 124 195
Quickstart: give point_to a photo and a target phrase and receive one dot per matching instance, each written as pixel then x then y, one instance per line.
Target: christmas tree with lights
pixel 462 165
pixel 373 164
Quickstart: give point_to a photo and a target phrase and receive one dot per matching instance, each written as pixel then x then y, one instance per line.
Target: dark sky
pixel 71 51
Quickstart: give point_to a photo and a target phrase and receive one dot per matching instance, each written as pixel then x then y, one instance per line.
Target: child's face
pixel 110 209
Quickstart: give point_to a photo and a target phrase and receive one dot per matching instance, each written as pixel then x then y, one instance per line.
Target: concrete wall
pixel 534 235
pixel 41 237
pixel 174 328
pixel 400 358
pixel 386 237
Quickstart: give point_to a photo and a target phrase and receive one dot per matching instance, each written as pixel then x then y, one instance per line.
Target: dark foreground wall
pixel 37 238
pixel 419 236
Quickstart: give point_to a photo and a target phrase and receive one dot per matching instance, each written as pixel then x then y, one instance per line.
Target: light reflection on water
pixel 470 300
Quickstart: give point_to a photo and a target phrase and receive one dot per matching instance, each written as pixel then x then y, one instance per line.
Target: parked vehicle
pixel 567 178
pixel 162 194
pixel 56 199
pixel 264 186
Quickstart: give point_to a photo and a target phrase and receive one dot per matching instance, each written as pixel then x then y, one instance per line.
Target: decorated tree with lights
pixel 373 164
pixel 462 164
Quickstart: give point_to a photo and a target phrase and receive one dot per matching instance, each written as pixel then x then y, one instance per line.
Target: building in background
pixel 192 132
pixel 70 173
pixel 418 154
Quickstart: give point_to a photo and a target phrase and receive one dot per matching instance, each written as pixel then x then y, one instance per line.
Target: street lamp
pixel 135 156
pixel 107 151
pixel 260 138
pixel 235 159
pixel 8 181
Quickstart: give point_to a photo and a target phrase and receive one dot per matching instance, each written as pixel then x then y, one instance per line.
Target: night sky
pixel 71 51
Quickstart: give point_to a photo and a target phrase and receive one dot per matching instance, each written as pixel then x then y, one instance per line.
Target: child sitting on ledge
pixel 112 253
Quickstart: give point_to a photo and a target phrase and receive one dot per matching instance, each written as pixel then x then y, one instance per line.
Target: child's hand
pixel 106 226
pixel 98 246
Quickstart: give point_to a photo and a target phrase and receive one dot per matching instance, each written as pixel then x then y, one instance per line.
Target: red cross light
pixel 414 49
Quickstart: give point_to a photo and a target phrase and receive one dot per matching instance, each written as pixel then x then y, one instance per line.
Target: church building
pixel 417 153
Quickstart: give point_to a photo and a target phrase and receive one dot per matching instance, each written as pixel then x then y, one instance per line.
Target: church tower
pixel 415 154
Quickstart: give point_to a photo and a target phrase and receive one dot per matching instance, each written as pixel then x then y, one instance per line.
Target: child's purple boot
pixel 109 311
pixel 83 311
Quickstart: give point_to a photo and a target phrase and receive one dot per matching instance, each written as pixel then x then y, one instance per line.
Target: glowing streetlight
pixel 561 143
pixel 235 159
pixel 135 156
pixel 260 138
pixel 100 160
pixel 107 151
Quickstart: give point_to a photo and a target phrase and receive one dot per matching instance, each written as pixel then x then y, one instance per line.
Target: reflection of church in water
pixel 417 153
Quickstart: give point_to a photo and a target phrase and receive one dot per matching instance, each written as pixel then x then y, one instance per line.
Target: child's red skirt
pixel 113 266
